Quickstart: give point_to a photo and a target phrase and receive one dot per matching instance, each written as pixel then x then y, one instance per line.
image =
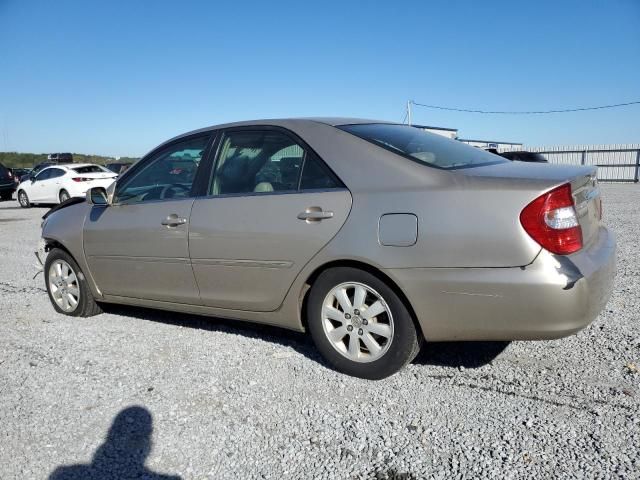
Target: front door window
pixel 169 175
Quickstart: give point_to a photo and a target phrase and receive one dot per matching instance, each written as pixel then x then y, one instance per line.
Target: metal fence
pixel 616 163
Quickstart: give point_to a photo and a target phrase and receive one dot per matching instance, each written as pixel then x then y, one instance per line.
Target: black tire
pixel 405 341
pixel 63 196
pixel 23 199
pixel 86 306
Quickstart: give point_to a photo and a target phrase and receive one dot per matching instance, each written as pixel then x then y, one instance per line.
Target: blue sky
pixel 118 77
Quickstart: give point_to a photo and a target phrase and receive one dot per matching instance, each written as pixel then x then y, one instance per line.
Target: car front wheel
pixel 360 325
pixel 67 286
pixel 23 199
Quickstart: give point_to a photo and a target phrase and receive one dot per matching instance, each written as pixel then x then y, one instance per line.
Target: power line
pixel 534 112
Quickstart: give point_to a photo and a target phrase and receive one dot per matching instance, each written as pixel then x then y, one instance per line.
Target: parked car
pixel 52 159
pixel 7 184
pixel 118 167
pixel 34 171
pixel 18 173
pixel 524 156
pixel 58 183
pixel 59 158
pixel 369 235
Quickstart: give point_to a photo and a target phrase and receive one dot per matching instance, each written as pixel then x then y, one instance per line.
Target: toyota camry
pixel 371 236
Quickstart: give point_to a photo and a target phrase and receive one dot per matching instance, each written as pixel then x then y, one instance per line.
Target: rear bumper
pixel 552 297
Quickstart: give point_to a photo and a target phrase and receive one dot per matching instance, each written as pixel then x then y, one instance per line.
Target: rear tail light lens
pixel 551 220
pixel 81 179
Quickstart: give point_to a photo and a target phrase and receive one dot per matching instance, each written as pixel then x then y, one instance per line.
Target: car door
pixel 53 184
pixel 39 185
pixel 138 246
pixel 271 206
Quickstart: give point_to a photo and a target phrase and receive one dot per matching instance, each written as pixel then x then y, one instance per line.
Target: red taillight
pixel 551 221
pixel 81 179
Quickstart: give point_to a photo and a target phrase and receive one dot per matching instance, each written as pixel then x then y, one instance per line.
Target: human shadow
pixel 122 455
pixel 460 354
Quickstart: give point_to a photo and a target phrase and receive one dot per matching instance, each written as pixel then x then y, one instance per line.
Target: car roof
pixel 69 166
pixel 289 123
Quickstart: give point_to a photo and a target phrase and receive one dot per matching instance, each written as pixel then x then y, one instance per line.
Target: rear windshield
pixel 91 169
pixel 423 147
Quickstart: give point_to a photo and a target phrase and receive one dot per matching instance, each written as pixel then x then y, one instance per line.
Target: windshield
pixel 424 147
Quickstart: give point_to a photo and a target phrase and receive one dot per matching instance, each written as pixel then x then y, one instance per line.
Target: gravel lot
pixel 222 399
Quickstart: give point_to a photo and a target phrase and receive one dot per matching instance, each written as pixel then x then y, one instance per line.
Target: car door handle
pixel 314 214
pixel 174 220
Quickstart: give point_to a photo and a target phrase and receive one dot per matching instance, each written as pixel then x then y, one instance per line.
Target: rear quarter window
pixel 423 147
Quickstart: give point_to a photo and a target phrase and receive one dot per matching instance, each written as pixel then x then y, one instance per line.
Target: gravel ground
pixel 135 390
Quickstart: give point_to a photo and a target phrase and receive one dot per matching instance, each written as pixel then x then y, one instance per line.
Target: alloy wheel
pixel 64 286
pixel 357 321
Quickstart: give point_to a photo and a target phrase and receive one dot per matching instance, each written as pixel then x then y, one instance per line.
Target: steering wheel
pixel 173 186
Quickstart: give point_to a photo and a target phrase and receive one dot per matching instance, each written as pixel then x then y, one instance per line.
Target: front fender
pixel 64 227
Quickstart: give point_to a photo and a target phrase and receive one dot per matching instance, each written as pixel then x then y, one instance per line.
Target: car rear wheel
pixel 64 196
pixel 360 325
pixel 67 286
pixel 23 199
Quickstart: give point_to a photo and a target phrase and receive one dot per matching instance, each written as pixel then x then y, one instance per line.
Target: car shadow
pixel 123 454
pixel 445 354
pixel 460 354
pixel 298 341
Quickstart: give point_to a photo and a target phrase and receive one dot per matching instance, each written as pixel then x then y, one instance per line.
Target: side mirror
pixel 97 196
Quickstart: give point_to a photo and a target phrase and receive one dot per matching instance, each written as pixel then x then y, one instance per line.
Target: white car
pixel 58 183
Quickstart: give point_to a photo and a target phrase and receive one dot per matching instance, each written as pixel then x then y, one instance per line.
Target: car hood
pixel 66 203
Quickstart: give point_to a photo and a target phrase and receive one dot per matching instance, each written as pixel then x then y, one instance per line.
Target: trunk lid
pixel 97 176
pixel 540 177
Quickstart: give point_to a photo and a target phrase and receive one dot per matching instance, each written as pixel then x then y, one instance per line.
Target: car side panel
pixel 247 250
pixel 65 227
pixel 131 253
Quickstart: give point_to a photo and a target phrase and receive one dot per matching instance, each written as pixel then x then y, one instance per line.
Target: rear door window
pixel 260 161
pixel 56 172
pixel 266 161
pixel 316 175
pixel 44 175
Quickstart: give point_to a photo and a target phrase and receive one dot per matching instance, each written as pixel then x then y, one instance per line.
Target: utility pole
pixel 409 112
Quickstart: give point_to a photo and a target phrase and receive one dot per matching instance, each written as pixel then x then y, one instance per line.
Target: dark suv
pixel 7 183
pixel 60 158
